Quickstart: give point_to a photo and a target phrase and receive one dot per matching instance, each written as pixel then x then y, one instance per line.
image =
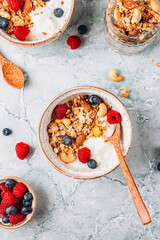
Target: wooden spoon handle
pixel 137 199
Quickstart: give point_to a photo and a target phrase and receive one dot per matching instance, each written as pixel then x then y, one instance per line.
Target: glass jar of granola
pixel 130 25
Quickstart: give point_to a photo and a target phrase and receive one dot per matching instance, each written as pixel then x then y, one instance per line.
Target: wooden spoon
pixel 137 199
pixel 12 74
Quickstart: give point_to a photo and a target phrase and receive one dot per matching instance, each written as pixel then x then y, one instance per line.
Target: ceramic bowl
pixel 8 38
pixel 34 204
pixel 69 169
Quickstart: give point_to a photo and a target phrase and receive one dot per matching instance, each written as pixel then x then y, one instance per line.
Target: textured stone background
pixel 73 209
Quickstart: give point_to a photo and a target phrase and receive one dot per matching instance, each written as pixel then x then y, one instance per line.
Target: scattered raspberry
pixel 15 5
pixel 16 218
pixel 60 111
pixel 8 200
pixel 19 190
pixel 113 117
pixel 84 155
pixel 22 150
pixel 74 42
pixel 21 32
pixel 4 189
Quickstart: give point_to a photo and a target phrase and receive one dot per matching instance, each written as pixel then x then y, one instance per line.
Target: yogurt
pixel 45 23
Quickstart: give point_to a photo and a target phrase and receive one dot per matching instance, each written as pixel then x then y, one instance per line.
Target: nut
pixel 136 16
pixel 102 110
pixel 155 6
pixel 67 158
pixel 79 140
pixel 85 105
pixel 134 32
pixel 27 6
pixel 66 122
pixel 124 92
pixel 4 14
pixel 114 77
pixel 117 14
pixel 96 131
pixel 130 4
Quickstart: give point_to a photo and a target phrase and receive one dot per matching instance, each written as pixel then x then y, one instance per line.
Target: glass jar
pixel 120 42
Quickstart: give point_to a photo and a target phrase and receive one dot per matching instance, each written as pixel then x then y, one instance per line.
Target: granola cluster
pixel 22 16
pixel 135 17
pixel 80 122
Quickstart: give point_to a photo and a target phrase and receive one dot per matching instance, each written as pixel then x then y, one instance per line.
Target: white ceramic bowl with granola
pixel 34 22
pixel 74 129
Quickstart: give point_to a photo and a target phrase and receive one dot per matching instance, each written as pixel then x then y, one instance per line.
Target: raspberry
pixel 19 190
pixel 4 189
pixel 21 32
pixel 16 218
pixel 2 210
pixel 22 150
pixel 74 42
pixel 113 117
pixel 8 200
pixel 18 205
pixel 60 111
pixel 84 155
pixel 15 5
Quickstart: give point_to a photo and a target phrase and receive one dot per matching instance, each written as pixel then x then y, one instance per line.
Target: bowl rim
pixel 42 115
pixel 34 198
pixel 38 43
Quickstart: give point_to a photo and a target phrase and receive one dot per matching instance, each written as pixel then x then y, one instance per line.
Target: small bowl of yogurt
pixel 58 135
pixel 36 22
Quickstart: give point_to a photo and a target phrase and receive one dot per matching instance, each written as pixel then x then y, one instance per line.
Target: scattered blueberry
pixel 67 140
pixel 92 163
pixel 6 131
pixel 26 210
pixel 27 203
pixel 10 183
pixel 4 22
pixel 11 210
pixel 158 166
pixel 82 29
pixel 58 12
pixel 5 219
pixel 28 196
pixel 93 99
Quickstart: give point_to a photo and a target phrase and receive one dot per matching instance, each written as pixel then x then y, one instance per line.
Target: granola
pixel 135 17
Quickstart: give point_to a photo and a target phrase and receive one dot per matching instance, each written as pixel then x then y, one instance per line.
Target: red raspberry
pixel 74 42
pixel 21 32
pixel 2 211
pixel 113 117
pixel 4 189
pixel 84 155
pixel 15 5
pixel 22 150
pixel 19 190
pixel 60 111
pixel 18 205
pixel 8 200
pixel 16 218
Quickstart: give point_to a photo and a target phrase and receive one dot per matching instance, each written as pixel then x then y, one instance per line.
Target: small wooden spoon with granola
pixel 12 74
pixel 137 199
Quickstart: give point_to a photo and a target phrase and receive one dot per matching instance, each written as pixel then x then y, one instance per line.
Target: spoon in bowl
pixel 137 199
pixel 12 74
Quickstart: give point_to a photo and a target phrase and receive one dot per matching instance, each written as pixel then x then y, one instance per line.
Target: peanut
pixel 79 140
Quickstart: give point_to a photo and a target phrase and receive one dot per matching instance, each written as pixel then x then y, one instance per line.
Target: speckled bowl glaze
pixel 34 203
pixel 8 38
pixel 46 148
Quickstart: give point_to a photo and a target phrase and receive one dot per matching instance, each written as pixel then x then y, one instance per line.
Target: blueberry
pixel 67 140
pixel 11 210
pixel 45 0
pixel 6 131
pixel 93 99
pixel 58 12
pixel 158 166
pixel 5 219
pixel 28 196
pixel 92 163
pixel 4 22
pixel 27 203
pixel 10 183
pixel 82 29
pixel 26 210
